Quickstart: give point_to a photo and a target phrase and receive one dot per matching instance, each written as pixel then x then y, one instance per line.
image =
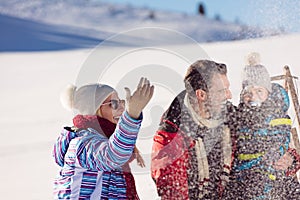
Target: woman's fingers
pixel 128 93
pixel 140 97
pixel 145 90
pixel 141 82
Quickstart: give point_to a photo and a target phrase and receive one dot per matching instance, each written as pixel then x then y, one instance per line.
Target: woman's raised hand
pixel 136 102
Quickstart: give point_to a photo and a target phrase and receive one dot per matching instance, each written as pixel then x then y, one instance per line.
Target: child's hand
pixel 284 162
pixel 136 102
pixel 139 158
pixel 246 96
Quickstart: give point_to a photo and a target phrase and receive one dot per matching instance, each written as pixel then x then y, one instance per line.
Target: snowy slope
pixel 31 115
pixel 27 35
pixel 33 25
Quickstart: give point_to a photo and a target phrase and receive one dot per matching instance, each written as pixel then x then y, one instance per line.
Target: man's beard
pixel 216 111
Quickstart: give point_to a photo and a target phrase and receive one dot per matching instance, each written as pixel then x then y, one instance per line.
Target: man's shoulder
pixel 170 120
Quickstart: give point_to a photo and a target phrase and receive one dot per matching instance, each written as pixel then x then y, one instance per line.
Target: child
pixel 263 136
pixel 94 153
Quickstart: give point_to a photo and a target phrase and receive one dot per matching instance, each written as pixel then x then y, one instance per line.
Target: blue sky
pixel 283 14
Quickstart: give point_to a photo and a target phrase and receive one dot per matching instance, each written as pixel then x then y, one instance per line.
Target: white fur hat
pixel 255 74
pixel 87 99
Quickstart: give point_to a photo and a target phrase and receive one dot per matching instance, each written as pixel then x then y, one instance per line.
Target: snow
pixel 58 25
pixel 34 69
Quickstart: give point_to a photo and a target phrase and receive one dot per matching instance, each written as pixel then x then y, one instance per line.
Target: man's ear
pixel 201 95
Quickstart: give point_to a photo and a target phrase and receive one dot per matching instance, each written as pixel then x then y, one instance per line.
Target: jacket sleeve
pixel 61 146
pixel 169 165
pixel 102 154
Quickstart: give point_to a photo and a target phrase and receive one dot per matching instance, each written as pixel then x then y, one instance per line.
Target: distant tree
pixel 237 21
pixel 151 15
pixel 218 17
pixel 282 29
pixel 201 9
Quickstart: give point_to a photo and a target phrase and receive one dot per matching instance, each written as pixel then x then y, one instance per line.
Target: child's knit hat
pixel 86 99
pixel 255 74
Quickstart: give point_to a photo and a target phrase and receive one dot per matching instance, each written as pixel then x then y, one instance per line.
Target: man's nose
pixel 228 94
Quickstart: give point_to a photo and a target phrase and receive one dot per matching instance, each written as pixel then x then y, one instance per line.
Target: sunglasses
pixel 114 103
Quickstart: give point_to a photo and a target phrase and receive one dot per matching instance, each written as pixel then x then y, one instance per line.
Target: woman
pixel 94 153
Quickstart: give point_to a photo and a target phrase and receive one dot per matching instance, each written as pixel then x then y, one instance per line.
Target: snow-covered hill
pixel 31 116
pixel 32 25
